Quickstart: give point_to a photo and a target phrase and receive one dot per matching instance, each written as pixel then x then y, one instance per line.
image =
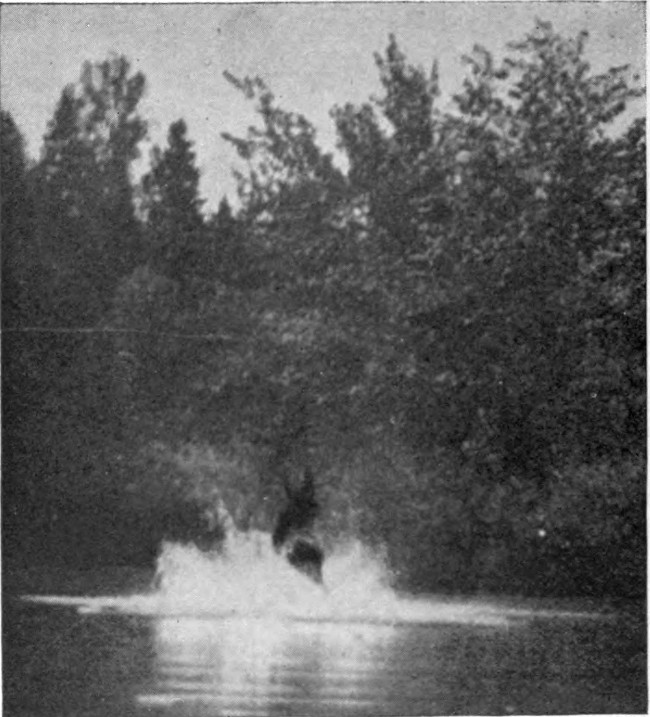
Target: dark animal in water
pixel 293 530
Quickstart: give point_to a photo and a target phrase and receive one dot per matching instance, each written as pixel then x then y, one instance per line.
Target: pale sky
pixel 312 55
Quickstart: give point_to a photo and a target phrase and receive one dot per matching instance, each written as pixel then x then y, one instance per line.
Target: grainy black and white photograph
pixel 323 359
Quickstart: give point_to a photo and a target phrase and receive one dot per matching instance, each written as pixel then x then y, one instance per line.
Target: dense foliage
pixel 450 330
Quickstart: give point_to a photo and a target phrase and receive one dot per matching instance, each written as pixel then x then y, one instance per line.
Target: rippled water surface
pixel 214 639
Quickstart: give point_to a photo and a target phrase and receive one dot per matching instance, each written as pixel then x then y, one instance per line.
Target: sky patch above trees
pixel 312 56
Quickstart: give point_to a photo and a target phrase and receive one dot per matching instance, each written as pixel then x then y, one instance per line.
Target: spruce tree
pixel 229 251
pixel 88 232
pixel 18 258
pixel 176 240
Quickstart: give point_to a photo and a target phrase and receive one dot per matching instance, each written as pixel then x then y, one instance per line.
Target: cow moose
pixel 293 534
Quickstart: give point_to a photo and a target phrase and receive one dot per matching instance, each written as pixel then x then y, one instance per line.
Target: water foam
pixel 247 579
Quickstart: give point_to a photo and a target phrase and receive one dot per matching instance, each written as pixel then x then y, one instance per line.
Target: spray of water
pixel 247 577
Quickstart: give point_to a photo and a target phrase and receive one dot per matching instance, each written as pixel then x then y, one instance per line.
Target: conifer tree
pixel 232 265
pixel 18 257
pixel 86 220
pixel 176 238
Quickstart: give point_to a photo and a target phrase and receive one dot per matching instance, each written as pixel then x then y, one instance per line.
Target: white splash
pixel 247 579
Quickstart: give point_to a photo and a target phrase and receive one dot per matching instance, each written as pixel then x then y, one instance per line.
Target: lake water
pixel 213 638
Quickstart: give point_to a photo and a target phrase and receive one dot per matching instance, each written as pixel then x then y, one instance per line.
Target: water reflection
pixel 269 666
pixel 242 633
pixel 179 665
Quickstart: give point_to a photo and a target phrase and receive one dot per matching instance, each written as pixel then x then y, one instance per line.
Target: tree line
pixel 448 326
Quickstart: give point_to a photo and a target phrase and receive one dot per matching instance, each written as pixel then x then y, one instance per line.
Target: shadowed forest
pixel 445 322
